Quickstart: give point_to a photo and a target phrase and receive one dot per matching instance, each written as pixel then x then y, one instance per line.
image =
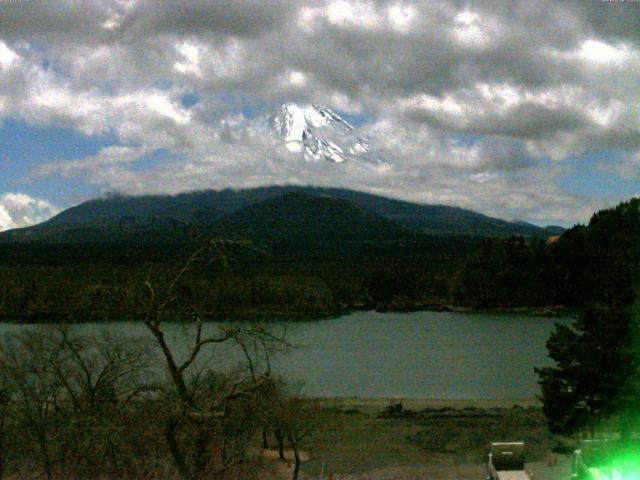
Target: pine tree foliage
pixel 597 359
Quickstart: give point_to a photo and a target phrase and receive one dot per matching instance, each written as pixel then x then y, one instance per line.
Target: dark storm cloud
pixel 246 18
pixel 60 19
pixel 613 20
pixel 526 120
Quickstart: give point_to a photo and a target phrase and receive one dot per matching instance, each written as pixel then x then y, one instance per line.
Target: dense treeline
pixel 280 272
pixel 592 263
pixel 601 260
pixel 275 278
pixel 507 273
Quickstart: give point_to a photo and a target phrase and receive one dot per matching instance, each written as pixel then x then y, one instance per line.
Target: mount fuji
pixel 316 133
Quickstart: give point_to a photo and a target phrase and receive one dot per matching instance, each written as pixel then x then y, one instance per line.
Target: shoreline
pixel 278 317
pixel 375 404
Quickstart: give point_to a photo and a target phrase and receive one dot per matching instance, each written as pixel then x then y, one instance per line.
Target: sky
pixel 523 110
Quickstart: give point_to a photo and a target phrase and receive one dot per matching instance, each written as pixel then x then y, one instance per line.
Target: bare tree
pixel 258 348
pixel 198 403
pixel 62 386
pixel 98 369
pixel 35 391
pixel 298 419
pixel 102 376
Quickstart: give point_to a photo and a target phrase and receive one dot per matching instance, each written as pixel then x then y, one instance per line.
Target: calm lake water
pixel 439 355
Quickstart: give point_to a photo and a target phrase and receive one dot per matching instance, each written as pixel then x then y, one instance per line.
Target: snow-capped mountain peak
pixel 312 132
pixel 317 133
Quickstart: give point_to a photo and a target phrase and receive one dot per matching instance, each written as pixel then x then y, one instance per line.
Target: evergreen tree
pixel 596 369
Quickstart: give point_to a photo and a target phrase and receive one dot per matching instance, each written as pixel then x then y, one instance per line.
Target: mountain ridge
pixel 207 207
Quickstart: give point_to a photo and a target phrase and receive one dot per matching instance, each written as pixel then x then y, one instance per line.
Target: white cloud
pixel 601 53
pixel 523 81
pixel 21 210
pixel 353 13
pixel 190 62
pixel 297 78
pixel 106 157
pixel 359 15
pixel 7 56
pixel 401 16
pixel 473 30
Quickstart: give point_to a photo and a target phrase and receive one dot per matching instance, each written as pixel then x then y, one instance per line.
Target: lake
pixel 439 355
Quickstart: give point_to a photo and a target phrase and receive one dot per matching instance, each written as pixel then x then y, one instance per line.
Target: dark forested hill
pixel 143 215
pixel 297 216
pixel 598 262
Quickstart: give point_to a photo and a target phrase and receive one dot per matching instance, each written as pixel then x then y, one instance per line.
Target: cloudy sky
pixel 522 109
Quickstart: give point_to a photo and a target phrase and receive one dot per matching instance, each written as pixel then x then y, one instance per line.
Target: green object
pixel 608 461
pixel 615 472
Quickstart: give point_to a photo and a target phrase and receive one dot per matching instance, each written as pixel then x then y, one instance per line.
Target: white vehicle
pixel 506 461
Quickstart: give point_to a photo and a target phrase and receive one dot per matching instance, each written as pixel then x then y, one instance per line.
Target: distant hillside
pixel 298 216
pixel 116 216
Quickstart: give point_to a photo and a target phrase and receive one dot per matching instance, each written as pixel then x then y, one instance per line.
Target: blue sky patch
pixel 593 174
pixel 24 147
pixel 188 100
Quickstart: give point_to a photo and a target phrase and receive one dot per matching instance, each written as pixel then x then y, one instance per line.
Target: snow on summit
pixel 317 133
pixel 313 133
